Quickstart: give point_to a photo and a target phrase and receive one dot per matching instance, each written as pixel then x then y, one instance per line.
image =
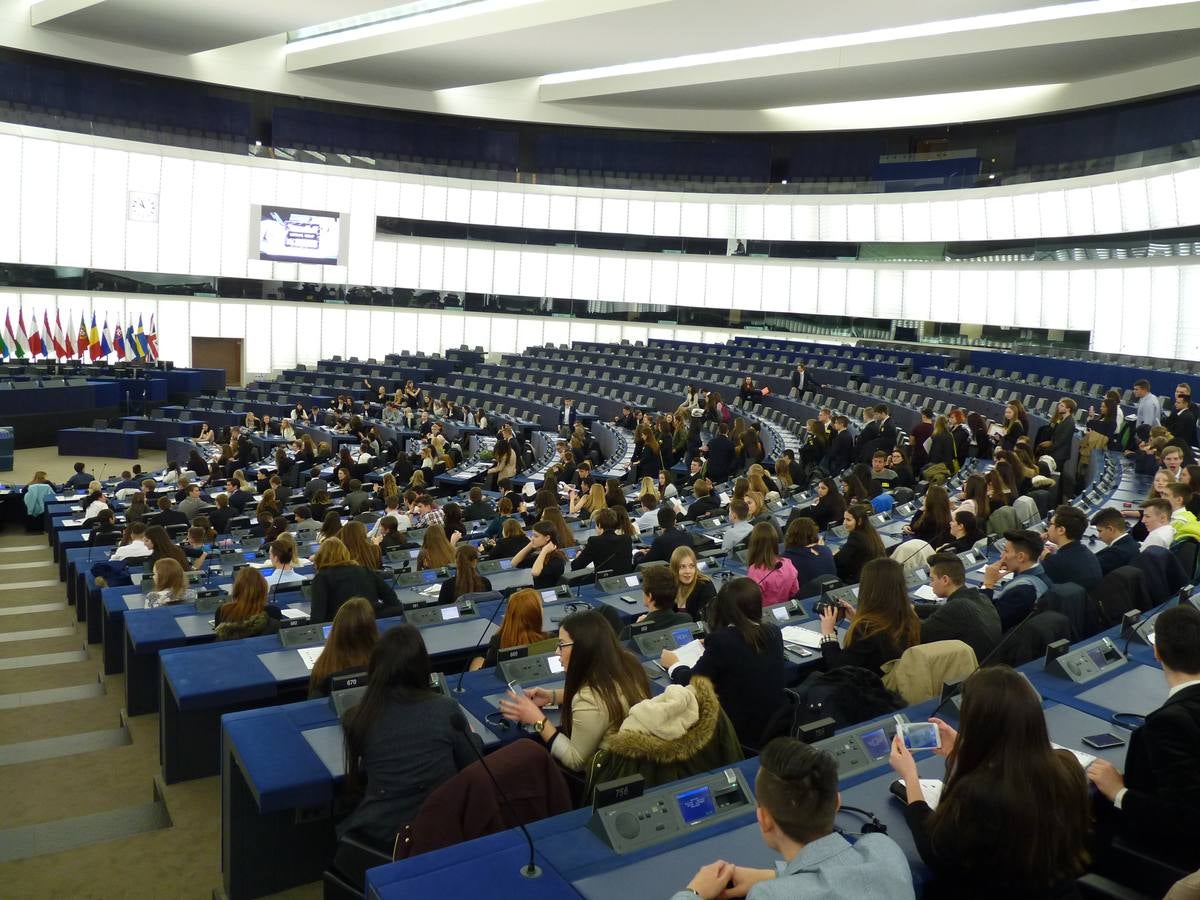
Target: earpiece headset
pixel 871 825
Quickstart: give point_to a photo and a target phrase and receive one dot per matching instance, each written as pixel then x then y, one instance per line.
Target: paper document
pixel 931 790
pixel 310 656
pixel 925 592
pixel 797 634
pixel 1085 759
pixel 689 654
pixel 289 613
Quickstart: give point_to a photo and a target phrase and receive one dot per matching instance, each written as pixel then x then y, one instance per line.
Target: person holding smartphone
pixel 1003 778
pixel 543 556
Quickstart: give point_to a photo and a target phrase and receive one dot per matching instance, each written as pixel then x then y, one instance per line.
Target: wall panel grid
pixel 67 203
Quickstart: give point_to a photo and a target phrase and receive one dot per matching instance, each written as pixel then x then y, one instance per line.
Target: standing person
pixel 1149 409
pixel 1000 768
pixel 804 380
pixel 399 739
pixel 603 680
pixel 921 433
pixel 882 627
pixel 1181 422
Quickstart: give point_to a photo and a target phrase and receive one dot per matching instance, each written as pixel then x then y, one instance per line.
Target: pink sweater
pixel 778 585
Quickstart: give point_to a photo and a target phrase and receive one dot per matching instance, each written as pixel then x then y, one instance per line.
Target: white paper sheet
pixel 796 634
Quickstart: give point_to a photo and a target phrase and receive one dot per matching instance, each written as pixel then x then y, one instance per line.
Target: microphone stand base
pixel 531 871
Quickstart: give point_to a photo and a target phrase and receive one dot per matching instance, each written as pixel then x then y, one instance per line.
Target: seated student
pixel 168 516
pixel 694 589
pixel 774 574
pixel 743 657
pixel 246 613
pixel 705 504
pixel 932 524
pixel 306 528
pixel 802 547
pixel 221 516
pixel 602 681
pixel 796 790
pixel 1070 562
pixel 338 579
pixel 1015 599
pixel 1156 516
pixel 1003 779
pixel 649 517
pixel 467 579
pixel 1156 804
pixel 436 549
pixel 105 524
pixel 609 550
pixel 1119 548
pixel 361 549
pixel 1183 520
pixel 759 514
pixel 882 627
pixel 195 548
pixel 963 615
pixel 863 544
pixel 400 737
pixel 161 546
pixel 504 512
pixel 478 508
pixel 134 543
pixel 282 556
pixel 658 592
pixel 389 537
pixel 965 533
pixel 668 541
pixel 348 648
pixel 739 527
pixel 543 556
pixel 511 541
pixel 521 626
pixel 170 585
pixel 81 478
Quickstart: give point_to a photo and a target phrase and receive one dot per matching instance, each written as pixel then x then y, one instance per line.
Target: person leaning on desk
pixel 796 790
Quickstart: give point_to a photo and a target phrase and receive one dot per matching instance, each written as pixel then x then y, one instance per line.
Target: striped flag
pixel 105 345
pixel 48 336
pixel 119 342
pixel 142 340
pixel 10 338
pixel 62 347
pixel 94 340
pixel 36 346
pixel 135 348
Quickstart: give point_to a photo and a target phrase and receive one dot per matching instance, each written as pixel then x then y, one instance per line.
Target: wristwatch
pixel 539 725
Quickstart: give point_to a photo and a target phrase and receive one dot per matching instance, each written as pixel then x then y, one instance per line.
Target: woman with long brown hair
pixel 1002 773
pixel 603 681
pixel 170 585
pixel 975 498
pixel 436 550
pixel 362 550
pixel 882 627
pixel 467 579
pixel 162 547
pixel 933 523
pixel 245 615
pixel 563 536
pixel 268 504
pixel 521 626
pixel 351 639
pixel 862 544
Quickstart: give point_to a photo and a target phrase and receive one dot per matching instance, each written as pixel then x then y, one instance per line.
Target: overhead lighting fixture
pixel 379 16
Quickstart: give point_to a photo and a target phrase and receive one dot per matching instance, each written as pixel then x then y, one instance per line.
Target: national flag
pixel 143 341
pixel 13 345
pixel 48 337
pixel 81 342
pixel 152 338
pixel 37 347
pixel 21 325
pixel 94 340
pixel 3 347
pixel 135 348
pixel 61 345
pixel 105 346
pixel 119 342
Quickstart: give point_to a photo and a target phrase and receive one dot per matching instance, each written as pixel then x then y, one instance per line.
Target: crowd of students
pixel 1002 775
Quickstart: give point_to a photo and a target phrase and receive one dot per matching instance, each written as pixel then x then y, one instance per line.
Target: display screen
pixel 429 576
pixel 548 595
pixel 325 631
pixel 449 612
pixel 921 736
pixel 555 663
pixel 682 636
pixel 696 804
pixel 298 235
pixel 506 564
pixel 1097 656
pixel 877 744
pixel 631 581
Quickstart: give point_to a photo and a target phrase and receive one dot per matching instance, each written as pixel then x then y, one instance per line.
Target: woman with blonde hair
pixel 170 585
pixel 783 473
pixel 362 551
pixel 649 486
pixel 694 589
pixel 348 648
pixel 436 549
pixel 521 626
pixel 245 615
pixel 339 578
pixel 417 482
pixel 591 502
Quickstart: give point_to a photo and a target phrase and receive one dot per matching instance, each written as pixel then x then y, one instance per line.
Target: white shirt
pixel 647 520
pixel 94 508
pixel 131 550
pixel 1162 536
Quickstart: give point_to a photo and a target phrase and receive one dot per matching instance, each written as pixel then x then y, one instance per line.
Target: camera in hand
pixel 825 603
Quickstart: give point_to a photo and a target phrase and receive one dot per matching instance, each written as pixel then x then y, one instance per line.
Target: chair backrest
pixel 1083 613
pixel 1002 519
pixel 919 674
pixel 1122 589
pixel 1187 551
pixel 1027 510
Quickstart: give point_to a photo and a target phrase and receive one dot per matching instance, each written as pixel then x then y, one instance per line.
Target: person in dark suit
pixel 921 432
pixel 566 415
pixel 1181 422
pixel 706 502
pixel 1072 562
pixel 610 550
pixel 219 517
pixel 841 448
pixel 1156 804
pixel 670 538
pixel 478 508
pixel 804 380
pixel 864 445
pixel 1062 430
pixel 888 433
pixel 1120 549
pixel 626 419
pixel 743 657
pixel 338 579
pixel 168 516
pixel 720 455
pixel 964 614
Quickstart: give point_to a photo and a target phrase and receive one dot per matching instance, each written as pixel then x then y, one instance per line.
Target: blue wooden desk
pixel 99 442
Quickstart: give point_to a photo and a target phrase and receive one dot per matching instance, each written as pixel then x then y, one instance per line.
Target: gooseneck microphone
pixel 459 723
pixel 458 688
pixel 775 568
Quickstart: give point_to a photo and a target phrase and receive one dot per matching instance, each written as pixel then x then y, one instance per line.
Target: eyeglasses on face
pixel 563 645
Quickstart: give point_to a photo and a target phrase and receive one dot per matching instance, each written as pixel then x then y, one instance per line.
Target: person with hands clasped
pixel 1013 817
pixel 603 681
pixel 797 795
pixel 542 554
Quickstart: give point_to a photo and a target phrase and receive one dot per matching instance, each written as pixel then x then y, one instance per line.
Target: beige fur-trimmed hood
pixel 672 727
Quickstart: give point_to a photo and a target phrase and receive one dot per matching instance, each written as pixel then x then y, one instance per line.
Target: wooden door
pixel 219 353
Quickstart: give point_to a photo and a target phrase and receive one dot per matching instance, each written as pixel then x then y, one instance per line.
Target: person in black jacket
pixel 862 544
pixel 882 627
pixel 706 502
pixel 1181 422
pixel 467 579
pixel 720 455
pixel 609 549
pixel 658 593
pixel 964 614
pixel 1119 548
pixel 1072 562
pixel 1157 802
pixel 1062 431
pixel 743 657
pixel 804 380
pixel 168 516
pixel 338 579
pixel 671 538
pixel 841 447
pixel 695 590
pixel 1003 776
pixel 942 447
pixel 828 511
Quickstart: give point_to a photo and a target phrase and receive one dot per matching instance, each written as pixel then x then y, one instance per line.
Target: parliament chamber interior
pixel 486 448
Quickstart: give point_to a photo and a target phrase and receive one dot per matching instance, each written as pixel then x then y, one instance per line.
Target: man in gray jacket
pixel 797 793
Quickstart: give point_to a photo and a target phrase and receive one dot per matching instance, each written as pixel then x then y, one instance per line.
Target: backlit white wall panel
pixel 10 196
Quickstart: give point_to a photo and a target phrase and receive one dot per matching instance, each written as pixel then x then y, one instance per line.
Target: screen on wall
pixel 298 235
